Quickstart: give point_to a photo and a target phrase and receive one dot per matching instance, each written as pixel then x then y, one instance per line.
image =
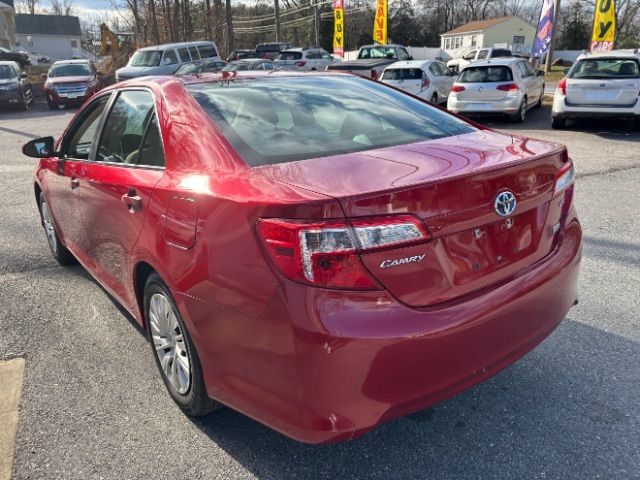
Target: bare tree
pixel 62 7
pixel 29 6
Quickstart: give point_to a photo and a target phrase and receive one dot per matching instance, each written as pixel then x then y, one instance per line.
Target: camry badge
pixel 402 261
pixel 505 203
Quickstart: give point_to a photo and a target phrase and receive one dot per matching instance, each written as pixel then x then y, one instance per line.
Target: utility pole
pixel 316 18
pixel 556 15
pixel 277 13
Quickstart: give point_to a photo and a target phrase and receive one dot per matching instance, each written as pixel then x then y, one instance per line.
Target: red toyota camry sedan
pixel 320 252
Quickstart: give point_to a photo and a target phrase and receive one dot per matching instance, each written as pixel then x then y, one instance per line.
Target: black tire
pixel 521 115
pixel 558 123
pixel 62 255
pixel 539 104
pixel 434 99
pixel 194 402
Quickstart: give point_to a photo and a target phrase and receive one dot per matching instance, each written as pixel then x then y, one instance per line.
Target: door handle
pixel 132 201
pixel 75 183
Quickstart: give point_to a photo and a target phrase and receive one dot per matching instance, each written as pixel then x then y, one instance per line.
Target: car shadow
pixel 36 111
pixel 536 416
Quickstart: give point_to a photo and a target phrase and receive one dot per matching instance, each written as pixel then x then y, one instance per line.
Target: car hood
pixel 61 80
pixel 132 72
pixel 364 63
pixel 391 168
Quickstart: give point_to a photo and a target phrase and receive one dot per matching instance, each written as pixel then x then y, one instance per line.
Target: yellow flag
pixel 380 23
pixel 604 26
pixel 338 28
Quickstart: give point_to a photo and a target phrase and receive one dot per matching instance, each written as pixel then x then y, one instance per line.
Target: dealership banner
pixel 604 26
pixel 380 23
pixel 544 33
pixel 338 28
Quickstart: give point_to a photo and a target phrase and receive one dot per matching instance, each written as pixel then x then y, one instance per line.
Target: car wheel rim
pixel 169 344
pixel 48 228
pixel 523 111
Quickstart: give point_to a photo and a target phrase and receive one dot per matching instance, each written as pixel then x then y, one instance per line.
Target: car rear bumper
pixel 563 110
pixel 324 366
pixel 508 106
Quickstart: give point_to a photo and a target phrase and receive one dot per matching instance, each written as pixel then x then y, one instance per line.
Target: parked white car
pixel 428 79
pixel 509 86
pixel 305 59
pixel 457 64
pixel 603 84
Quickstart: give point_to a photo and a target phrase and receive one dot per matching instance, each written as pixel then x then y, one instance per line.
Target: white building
pixel 56 36
pixel 505 32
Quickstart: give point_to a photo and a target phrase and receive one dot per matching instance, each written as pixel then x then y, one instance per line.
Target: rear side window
pixel 285 119
pixel 486 74
pixel 482 54
pixel 402 74
pixel 194 53
pixel 610 68
pixel 170 57
pixel 184 54
pixel 290 56
pixel 500 52
pixel 82 135
pixel 207 51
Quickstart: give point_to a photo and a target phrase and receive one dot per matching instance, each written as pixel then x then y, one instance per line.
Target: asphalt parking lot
pixel 94 407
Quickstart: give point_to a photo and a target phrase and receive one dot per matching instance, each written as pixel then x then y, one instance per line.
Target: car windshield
pixel 290 56
pixel 146 58
pixel 70 70
pixel 486 75
pixel 286 119
pixel 609 68
pixel 402 74
pixel 377 52
pixel 4 50
pixel 195 67
pixel 6 72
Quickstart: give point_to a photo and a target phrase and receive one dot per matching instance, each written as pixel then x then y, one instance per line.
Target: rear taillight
pixel 562 86
pixel 326 253
pixel 508 87
pixel 564 178
pixel 374 74
pixel 301 63
pixel 425 82
pixel 457 88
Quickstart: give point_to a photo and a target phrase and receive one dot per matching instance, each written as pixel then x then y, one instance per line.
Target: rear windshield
pixel 606 68
pixel 285 119
pixel 70 70
pixel 269 47
pixel 402 74
pixel 148 58
pixel 486 74
pixel 377 52
pixel 290 56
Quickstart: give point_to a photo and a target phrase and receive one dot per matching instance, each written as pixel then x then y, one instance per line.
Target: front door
pixel 116 188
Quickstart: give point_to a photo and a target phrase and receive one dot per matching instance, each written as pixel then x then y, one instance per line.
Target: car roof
pixel 612 53
pixel 378 45
pixel 500 61
pixel 176 45
pixel 411 64
pixel 68 62
pixel 9 62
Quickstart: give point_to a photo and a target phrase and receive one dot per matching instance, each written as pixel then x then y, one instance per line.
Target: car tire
pixel 539 104
pixel 165 327
pixel 558 123
pixel 521 115
pixel 434 99
pixel 62 255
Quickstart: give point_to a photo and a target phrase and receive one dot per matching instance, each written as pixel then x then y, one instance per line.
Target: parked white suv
pixel 457 64
pixel 508 86
pixel 305 59
pixel 603 84
pixel 428 79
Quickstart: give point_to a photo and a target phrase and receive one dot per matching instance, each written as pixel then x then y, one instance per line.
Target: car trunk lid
pixel 606 92
pixel 451 184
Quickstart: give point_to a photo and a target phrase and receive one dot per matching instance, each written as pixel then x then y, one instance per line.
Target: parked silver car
pixel 604 84
pixel 305 59
pixel 428 79
pixel 509 86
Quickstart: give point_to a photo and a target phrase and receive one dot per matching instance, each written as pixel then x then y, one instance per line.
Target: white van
pixel 166 59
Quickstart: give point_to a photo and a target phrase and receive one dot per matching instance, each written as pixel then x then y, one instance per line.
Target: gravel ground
pixel 94 407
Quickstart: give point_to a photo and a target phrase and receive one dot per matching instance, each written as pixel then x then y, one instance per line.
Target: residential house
pixel 57 36
pixel 7 24
pixel 505 32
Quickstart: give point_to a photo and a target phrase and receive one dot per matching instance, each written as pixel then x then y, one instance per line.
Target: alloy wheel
pixel 169 343
pixel 48 227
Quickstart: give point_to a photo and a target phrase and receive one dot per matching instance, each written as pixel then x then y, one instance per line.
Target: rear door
pixel 604 82
pixel 115 188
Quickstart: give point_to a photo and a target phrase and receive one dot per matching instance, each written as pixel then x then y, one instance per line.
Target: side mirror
pixel 540 73
pixel 566 70
pixel 43 76
pixel 39 148
pixel 24 75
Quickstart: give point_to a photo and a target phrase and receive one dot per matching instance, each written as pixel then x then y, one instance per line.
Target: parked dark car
pixel 71 82
pixel 250 64
pixel 20 58
pixel 15 86
pixel 201 66
pixel 271 50
pixel 242 54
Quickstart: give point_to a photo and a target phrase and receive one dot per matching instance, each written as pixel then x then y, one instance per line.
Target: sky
pixel 84 7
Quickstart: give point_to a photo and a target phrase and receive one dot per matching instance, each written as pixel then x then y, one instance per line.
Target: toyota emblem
pixel 505 203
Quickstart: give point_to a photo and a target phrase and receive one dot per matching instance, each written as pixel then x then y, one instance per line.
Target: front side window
pixel 486 74
pixel 184 54
pixel 146 58
pixel 470 56
pixel 78 143
pixel 606 68
pixel 482 54
pixel 286 119
pixel 170 57
pixel 124 128
pixel 402 54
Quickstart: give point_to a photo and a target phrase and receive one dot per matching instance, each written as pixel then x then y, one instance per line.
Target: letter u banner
pixel 604 26
pixel 338 28
pixel 380 23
